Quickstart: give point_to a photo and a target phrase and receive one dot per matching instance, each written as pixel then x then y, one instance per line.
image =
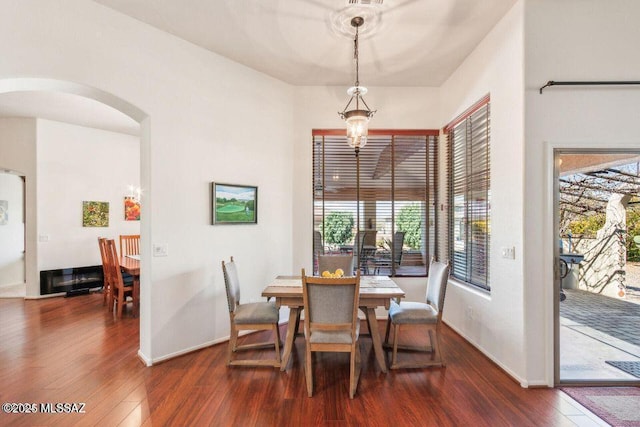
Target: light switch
pixel 509 253
pixel 161 249
pixel 43 238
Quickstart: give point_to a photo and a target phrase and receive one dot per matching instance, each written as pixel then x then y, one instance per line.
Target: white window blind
pixel 468 139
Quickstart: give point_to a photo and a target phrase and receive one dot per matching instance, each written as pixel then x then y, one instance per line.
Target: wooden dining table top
pixel 371 287
pixel 130 265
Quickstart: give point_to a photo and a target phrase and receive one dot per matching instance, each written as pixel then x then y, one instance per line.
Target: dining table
pixel 130 264
pixel 375 291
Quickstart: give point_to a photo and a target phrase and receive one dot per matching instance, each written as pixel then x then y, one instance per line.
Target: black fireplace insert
pixel 71 280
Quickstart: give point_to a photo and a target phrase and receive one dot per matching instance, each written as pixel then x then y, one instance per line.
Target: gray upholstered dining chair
pixel 428 314
pixel 331 322
pixel 253 316
pixel 332 262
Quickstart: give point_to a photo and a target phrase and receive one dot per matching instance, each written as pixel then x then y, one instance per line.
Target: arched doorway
pixel 16 85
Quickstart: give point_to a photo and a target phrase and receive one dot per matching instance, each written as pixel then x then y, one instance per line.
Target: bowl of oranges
pixel 338 273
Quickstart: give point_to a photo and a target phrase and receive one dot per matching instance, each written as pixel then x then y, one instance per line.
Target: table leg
pixel 370 312
pixel 291 336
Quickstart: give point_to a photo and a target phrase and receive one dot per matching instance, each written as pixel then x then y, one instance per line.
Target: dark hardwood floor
pixel 72 351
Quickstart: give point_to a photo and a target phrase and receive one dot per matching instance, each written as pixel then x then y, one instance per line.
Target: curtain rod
pixel 595 83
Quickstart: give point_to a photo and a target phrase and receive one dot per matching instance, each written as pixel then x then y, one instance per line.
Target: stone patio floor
pixel 594 329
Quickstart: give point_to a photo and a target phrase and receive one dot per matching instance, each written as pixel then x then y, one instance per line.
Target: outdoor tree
pixel 410 222
pixel 588 226
pixel 338 228
pixel 633 230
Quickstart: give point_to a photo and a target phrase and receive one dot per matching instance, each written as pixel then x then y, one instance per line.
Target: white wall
pixel 570 40
pixel 77 164
pixel 12 231
pixel 18 153
pixel 208 119
pixel 494 322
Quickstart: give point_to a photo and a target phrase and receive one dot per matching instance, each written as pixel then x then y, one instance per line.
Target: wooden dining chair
pixel 106 273
pixel 129 244
pixel 119 289
pixel 331 322
pixel 427 314
pixel 255 316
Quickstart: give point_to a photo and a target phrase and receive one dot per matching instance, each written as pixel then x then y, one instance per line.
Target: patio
pixel 596 329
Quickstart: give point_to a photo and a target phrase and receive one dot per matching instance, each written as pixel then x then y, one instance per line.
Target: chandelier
pixel 357 119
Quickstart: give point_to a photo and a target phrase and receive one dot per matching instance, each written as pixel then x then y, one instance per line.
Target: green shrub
pixel 410 221
pixel 338 228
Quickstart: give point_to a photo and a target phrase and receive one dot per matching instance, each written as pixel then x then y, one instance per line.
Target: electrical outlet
pixel 509 252
pixel 161 249
pixel 469 313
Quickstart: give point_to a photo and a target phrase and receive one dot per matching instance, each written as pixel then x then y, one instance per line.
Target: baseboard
pixel 523 382
pixel 150 362
pixel 144 358
pixel 59 294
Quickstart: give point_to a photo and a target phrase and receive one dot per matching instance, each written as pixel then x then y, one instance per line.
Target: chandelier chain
pixel 355 55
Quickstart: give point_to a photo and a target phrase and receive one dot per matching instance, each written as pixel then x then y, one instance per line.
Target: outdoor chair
pixel 392 260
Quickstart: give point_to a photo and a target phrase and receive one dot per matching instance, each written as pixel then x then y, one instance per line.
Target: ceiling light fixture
pixel 357 119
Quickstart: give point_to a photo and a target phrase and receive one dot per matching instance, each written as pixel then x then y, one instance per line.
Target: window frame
pixel 431 198
pixel 473 157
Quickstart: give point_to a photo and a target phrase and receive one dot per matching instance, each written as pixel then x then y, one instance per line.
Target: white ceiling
pixel 301 42
pixel 414 43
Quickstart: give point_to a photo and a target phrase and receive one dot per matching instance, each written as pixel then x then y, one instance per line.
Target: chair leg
pixel 272 345
pixel 110 298
pixel 386 335
pixel 277 344
pixel 434 357
pixel 308 369
pixel 120 304
pixel 354 370
pixel 394 357
pixel 435 345
pixel 233 340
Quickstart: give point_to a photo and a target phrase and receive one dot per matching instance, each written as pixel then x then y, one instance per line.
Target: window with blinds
pixel 379 206
pixel 468 140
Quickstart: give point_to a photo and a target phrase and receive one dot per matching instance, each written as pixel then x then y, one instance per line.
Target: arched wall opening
pixel 30 202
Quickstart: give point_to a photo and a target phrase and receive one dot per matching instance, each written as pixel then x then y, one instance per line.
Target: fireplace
pixel 75 280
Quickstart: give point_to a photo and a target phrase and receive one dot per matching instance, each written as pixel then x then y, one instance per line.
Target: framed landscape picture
pixel 234 204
